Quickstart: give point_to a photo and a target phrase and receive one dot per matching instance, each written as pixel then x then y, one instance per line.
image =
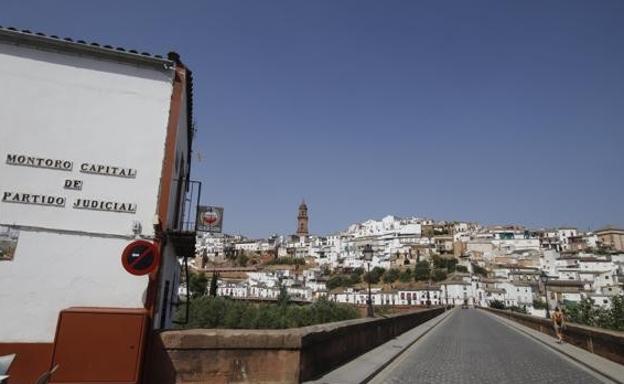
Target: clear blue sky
pixel 493 111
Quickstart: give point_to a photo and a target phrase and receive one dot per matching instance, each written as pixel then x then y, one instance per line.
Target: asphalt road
pixel 472 347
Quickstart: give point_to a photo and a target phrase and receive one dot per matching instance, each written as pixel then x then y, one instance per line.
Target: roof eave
pixel 44 42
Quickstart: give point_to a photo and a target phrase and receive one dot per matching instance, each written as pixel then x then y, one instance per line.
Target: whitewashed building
pixel 95 145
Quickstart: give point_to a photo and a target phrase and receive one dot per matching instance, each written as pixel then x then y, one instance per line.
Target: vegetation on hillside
pixel 479 270
pixel 437 270
pixel 287 261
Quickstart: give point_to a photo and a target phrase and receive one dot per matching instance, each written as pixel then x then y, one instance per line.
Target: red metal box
pixel 99 345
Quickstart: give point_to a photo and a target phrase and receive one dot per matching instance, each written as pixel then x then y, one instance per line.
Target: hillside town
pixel 420 261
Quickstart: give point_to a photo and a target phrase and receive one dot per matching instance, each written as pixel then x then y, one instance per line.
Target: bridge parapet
pixel 271 356
pixel 603 342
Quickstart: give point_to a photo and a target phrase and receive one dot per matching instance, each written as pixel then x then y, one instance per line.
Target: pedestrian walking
pixel 558 323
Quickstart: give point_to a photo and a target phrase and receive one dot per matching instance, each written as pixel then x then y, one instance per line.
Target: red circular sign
pixel 140 257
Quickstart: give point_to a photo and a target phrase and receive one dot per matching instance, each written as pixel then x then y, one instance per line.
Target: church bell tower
pixel 302 219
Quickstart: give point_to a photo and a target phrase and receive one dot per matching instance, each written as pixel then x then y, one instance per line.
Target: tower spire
pixel 302 219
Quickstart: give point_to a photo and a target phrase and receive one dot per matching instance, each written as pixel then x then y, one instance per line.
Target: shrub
pixel 444 263
pixel 479 270
pixel 221 312
pixel 438 274
pixel 242 259
pixel 497 304
pixel 515 308
pixel 287 261
pixel 586 313
pixel 335 282
pixel 375 275
pixel 198 284
pixel 539 304
pixel 354 279
pixel 405 276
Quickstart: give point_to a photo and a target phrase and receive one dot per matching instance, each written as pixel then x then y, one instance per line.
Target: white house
pixel 457 292
pixel 96 152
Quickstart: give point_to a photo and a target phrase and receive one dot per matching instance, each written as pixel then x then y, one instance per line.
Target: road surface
pixel 473 347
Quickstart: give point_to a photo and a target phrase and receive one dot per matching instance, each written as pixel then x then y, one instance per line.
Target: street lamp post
pixel 368 256
pixel 544 278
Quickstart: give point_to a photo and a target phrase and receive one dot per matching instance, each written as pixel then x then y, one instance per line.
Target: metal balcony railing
pixel 191 201
pixel 182 233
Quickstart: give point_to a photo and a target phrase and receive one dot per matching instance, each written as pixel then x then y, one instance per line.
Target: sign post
pixel 209 219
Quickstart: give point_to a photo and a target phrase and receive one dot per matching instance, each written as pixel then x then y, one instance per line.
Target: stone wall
pixel 270 356
pixel 606 343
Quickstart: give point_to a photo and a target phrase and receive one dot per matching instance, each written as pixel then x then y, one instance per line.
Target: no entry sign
pixel 140 257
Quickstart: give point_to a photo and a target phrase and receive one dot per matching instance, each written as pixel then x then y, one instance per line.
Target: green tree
pixel 448 263
pixel 539 304
pixel 213 285
pixel 479 270
pixel 283 297
pixel 438 274
pixel 374 276
pixel 422 271
pixel 582 312
pixel 355 278
pixel 406 276
pixel 242 259
pixel 617 313
pixel 198 284
pixel 335 282
pixel 461 268
pixel 391 276
pixel 585 312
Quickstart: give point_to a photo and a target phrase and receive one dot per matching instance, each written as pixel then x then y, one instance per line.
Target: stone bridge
pixel 427 346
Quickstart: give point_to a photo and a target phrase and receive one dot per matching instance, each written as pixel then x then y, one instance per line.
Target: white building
pixel 95 146
pixel 458 292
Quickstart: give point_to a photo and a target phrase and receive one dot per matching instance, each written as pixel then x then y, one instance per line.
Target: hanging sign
pixel 209 219
pixel 140 257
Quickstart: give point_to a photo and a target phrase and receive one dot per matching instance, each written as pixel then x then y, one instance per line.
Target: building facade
pixel 96 152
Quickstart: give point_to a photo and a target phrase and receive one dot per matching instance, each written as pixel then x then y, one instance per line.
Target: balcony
pixel 182 234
